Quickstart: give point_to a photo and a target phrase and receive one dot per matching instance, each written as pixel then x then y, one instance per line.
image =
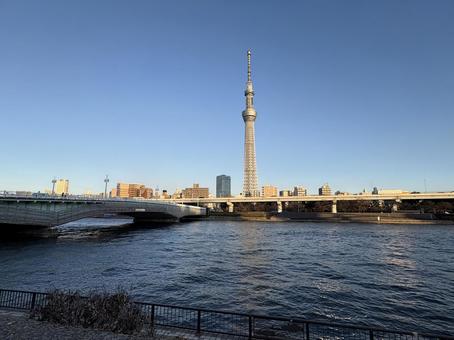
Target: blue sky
pixel 354 93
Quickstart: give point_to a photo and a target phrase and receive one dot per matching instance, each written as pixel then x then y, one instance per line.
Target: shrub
pixel 114 312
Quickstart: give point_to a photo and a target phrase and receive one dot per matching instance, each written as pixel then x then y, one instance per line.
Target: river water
pixel 397 276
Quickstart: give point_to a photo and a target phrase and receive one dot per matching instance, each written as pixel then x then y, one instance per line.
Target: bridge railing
pixel 13 195
pixel 240 325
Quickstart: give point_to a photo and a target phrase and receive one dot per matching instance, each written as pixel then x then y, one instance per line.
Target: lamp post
pixel 53 186
pixel 106 180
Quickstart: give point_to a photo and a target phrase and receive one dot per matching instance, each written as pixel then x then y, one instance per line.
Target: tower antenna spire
pixel 249 65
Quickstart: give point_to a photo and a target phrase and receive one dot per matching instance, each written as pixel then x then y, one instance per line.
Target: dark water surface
pixel 395 276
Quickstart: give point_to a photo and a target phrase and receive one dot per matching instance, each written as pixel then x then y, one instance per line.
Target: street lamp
pixel 53 186
pixel 106 180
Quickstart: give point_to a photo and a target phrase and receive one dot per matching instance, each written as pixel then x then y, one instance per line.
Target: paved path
pixel 18 326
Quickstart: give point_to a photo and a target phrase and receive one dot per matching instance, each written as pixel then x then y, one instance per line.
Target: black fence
pixel 239 325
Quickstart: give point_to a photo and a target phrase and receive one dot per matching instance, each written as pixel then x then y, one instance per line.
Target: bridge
pixel 397 198
pixel 53 211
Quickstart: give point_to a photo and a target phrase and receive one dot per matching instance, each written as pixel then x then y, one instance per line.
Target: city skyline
pixel 343 102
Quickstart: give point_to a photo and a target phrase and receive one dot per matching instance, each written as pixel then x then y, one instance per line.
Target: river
pixel 395 276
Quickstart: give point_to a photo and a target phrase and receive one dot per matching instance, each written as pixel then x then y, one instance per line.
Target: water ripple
pixel 388 276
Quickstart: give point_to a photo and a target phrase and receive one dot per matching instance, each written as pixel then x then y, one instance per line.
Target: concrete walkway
pixel 16 325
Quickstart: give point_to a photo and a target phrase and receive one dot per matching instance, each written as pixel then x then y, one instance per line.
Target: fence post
pixel 371 334
pixel 152 316
pixel 250 326
pixel 199 316
pixel 33 300
pixel 307 331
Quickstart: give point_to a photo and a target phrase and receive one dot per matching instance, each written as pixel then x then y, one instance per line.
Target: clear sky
pixel 354 93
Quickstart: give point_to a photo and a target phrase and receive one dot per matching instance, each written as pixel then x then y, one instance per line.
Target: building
pixel 165 195
pixel 146 192
pixel 299 191
pixel 113 193
pixel 195 192
pixel 131 190
pixel 177 194
pixel 23 193
pixel 341 193
pixel 285 193
pixel 62 187
pixel 122 190
pixel 223 186
pixel 269 191
pixel 325 190
pixel 250 186
pixel 392 192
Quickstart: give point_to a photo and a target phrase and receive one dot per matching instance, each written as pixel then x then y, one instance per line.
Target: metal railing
pixel 240 325
pixel 5 195
pixel 35 196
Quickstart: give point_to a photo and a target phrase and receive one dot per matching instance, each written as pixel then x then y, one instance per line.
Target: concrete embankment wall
pixel 363 217
pixel 385 218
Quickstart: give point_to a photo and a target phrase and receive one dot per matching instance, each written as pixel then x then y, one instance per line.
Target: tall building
pixel 269 191
pixel 299 191
pixel 250 186
pixel 223 186
pixel 325 190
pixel 195 192
pixel 62 187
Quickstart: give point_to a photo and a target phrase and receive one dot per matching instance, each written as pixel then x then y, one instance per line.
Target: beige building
pixel 113 193
pixel 131 190
pixel 325 190
pixel 177 194
pixel 269 191
pixel 146 192
pixel 392 192
pixel 195 192
pixel 165 195
pixel 62 187
pixel 299 191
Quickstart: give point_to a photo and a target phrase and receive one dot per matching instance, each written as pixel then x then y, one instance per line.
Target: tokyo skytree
pixel 250 187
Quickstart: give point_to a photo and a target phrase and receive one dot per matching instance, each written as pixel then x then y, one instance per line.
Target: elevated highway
pixel 230 201
pixel 49 212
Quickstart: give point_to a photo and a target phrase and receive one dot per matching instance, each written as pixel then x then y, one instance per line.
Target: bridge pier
pixel 334 207
pixel 230 207
pixel 279 206
pixel 395 206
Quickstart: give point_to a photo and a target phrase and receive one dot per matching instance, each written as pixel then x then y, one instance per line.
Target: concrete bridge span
pixel 49 212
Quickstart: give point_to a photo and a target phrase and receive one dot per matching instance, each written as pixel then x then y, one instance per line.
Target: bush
pixel 114 312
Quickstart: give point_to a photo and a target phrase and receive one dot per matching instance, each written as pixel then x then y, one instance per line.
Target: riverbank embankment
pixel 375 218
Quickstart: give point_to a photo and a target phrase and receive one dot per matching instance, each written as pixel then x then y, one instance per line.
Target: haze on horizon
pixel 357 94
